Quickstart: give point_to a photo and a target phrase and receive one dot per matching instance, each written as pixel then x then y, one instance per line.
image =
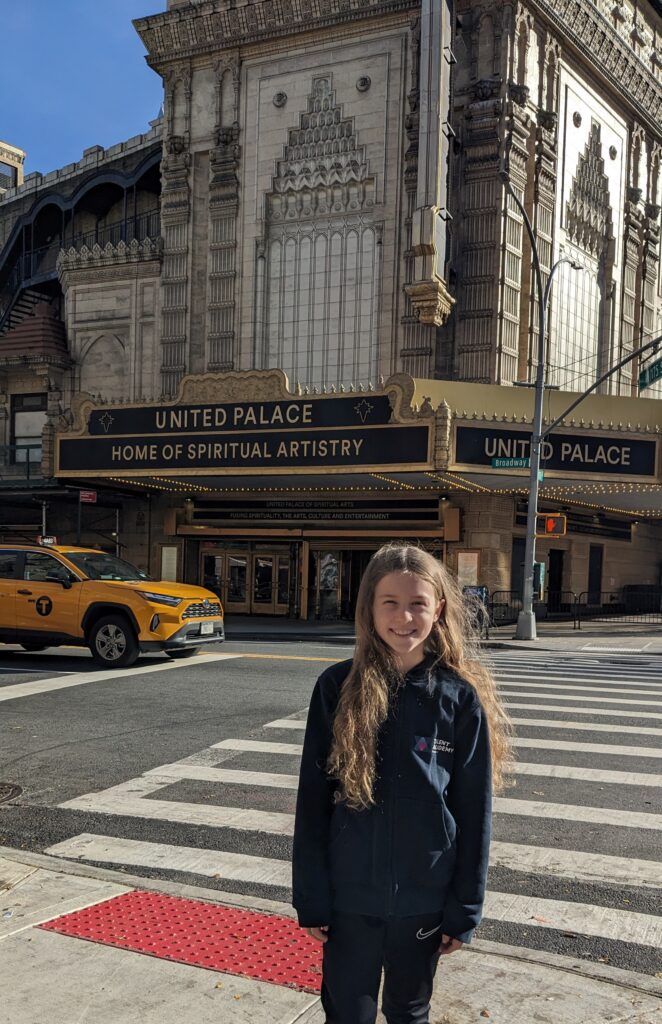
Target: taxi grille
pixel 200 611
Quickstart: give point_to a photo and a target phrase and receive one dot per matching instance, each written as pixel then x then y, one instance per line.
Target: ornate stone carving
pixel 577 119
pixel 401 392
pixel 236 386
pixel 280 99
pixel 363 83
pixel 652 211
pixel 633 194
pixel 486 88
pixel 613 152
pixel 519 94
pixel 588 211
pixel 188 29
pixel 431 301
pixel 322 152
pixel 548 120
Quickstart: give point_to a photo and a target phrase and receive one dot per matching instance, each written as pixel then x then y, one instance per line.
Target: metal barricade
pixel 634 603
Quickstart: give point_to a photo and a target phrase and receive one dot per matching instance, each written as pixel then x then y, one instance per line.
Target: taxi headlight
pixel 160 598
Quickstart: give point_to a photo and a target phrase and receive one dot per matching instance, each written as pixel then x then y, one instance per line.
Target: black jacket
pixel 424 846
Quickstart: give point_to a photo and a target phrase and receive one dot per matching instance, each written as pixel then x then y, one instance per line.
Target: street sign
pixel 650 374
pixel 511 463
pixel 87 497
pixel 551 525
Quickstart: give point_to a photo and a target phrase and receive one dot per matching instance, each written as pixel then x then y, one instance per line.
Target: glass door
pixel 237 582
pixel 226 574
pixel 263 585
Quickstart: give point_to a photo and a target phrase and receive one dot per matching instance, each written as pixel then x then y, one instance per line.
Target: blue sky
pixel 73 75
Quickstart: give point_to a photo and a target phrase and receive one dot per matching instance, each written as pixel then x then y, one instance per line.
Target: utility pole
pixel 526 621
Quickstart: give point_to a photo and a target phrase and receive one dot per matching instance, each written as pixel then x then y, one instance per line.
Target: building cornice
pixel 110 262
pixel 185 32
pixel 586 29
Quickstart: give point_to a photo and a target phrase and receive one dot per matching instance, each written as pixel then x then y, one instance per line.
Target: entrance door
pixel 595 553
pixel 248 583
pixel 555 579
pixel 226 574
pixel 271 584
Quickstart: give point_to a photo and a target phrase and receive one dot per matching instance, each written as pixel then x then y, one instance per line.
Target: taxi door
pixel 8 585
pixel 44 606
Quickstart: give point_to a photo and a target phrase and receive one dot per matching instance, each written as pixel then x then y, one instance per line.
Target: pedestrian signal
pixel 550 526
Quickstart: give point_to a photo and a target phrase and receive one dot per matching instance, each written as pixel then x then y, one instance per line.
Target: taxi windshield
pixel 101 566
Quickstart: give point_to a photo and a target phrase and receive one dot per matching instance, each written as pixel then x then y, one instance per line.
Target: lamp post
pixel 526 621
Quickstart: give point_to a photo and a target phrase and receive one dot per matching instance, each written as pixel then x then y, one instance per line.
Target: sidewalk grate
pixel 260 946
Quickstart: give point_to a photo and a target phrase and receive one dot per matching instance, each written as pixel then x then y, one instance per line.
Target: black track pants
pixel 358 947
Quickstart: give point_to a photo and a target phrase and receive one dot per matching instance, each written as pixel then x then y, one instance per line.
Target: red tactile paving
pixel 260 946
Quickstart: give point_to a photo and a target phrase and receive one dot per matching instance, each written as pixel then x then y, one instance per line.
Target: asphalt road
pixel 587 796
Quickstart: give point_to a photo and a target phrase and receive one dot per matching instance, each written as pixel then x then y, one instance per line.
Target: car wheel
pixel 33 648
pixel 113 642
pixel 186 652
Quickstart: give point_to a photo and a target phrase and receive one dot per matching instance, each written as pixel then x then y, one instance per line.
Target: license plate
pixel 206 628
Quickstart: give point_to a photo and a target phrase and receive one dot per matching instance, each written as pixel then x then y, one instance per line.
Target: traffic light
pixel 550 525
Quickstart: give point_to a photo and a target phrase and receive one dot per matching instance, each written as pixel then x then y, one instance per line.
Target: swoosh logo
pixel 420 934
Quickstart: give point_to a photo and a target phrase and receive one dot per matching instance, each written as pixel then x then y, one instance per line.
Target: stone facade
pixel 566 97
pixel 301 227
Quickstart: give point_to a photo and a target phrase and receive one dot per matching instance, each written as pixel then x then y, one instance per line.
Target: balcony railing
pixel 40 264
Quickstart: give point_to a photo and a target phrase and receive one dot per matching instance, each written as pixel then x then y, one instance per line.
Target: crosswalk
pixel 577 850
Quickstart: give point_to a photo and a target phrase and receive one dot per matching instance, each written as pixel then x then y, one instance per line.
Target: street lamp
pixel 526 621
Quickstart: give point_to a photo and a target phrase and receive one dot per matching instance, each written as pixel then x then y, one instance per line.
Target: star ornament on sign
pixel 363 409
pixel 106 420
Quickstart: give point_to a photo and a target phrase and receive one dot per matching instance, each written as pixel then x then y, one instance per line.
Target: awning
pixel 311 483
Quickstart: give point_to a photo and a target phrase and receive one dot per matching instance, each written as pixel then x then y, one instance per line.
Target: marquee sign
pixel 573 453
pixel 278 433
pixel 237 417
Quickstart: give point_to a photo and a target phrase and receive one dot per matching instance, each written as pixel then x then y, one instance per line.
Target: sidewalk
pixel 57 979
pixel 554 636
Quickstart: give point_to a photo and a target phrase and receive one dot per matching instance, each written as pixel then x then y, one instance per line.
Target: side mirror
pixel 64 581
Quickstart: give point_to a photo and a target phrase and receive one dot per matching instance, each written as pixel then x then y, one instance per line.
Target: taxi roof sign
pixel 46 541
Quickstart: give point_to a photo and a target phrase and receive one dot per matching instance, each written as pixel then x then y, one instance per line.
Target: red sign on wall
pixel 87 497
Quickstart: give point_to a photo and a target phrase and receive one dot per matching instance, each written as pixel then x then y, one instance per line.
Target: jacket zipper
pixel 392 879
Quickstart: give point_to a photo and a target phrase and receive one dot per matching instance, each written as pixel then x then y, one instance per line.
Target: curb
pixel 279 638
pixel 616 976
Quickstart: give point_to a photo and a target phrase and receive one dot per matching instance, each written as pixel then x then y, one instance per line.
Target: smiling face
pixel 404 610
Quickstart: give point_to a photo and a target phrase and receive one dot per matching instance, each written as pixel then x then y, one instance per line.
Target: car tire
pixel 113 642
pixel 186 652
pixel 34 648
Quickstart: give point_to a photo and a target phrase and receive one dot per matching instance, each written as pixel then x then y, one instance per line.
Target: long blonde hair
pixel 374 676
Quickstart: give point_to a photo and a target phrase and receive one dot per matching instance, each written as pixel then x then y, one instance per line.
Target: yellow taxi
pixel 71 595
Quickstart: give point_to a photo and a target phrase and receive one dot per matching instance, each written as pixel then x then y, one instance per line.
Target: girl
pixel 403 745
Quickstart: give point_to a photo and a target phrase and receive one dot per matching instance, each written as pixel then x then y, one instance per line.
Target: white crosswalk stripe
pixel 252 785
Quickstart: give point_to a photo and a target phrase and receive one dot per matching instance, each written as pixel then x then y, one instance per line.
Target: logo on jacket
pixel 438 746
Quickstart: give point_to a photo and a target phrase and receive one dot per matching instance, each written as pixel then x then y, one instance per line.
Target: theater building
pixel 284 323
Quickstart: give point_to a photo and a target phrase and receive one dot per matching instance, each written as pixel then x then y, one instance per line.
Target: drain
pixel 9 791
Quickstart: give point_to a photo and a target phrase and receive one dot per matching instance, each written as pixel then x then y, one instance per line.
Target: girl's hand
pixel 319 934
pixel 449 945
